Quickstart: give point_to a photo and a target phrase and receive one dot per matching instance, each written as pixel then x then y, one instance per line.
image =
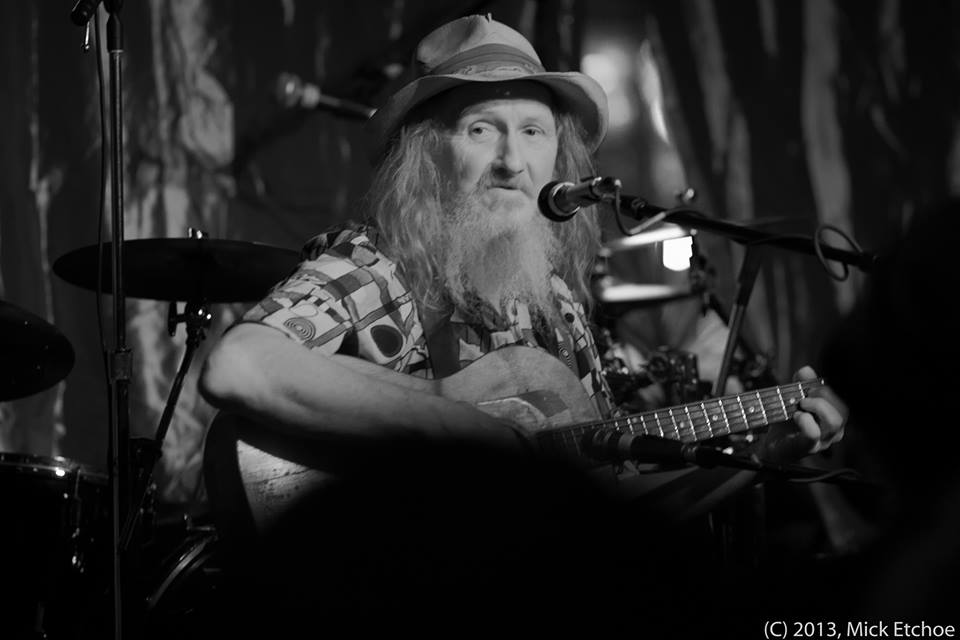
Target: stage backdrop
pixel 791 113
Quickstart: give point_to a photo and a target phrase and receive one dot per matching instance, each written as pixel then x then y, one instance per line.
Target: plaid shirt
pixel 347 297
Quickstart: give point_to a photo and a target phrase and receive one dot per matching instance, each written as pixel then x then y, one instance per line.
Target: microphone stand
pixel 757 243
pixel 120 359
pixel 749 269
pixel 699 270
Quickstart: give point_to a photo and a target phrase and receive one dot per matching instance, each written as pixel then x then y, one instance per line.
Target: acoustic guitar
pixel 253 475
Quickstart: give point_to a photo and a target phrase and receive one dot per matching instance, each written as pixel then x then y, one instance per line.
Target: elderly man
pixel 456 314
pixel 456 262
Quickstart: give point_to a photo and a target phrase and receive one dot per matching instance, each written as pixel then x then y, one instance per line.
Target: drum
pixel 54 546
pixel 182 599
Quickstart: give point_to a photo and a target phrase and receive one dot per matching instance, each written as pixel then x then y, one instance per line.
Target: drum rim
pixel 51 464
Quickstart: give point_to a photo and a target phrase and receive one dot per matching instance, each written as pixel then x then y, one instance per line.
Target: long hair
pixel 405 203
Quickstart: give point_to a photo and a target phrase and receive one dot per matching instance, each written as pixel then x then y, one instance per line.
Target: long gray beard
pixel 499 256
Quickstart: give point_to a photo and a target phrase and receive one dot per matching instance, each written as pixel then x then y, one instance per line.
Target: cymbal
pixel 34 355
pixel 662 232
pixel 184 269
pixel 617 296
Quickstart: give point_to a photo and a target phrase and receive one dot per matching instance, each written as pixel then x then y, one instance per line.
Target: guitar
pixel 247 464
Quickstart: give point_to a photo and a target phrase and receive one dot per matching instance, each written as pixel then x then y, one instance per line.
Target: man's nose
pixel 510 154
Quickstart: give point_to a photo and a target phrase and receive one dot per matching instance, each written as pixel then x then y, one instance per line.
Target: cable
pixel 846 472
pixel 818 240
pixel 101 214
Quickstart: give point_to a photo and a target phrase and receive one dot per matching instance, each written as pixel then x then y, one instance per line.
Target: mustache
pixel 489 180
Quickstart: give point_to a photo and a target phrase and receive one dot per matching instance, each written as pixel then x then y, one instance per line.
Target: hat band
pixel 491 56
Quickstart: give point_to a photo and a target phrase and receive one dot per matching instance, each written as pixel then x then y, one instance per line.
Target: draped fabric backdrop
pixel 207 146
pixel 791 113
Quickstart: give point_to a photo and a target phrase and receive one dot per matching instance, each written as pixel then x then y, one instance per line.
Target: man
pixel 459 263
pixel 358 346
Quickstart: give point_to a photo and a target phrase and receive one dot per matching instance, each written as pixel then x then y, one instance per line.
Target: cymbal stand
pixel 197 319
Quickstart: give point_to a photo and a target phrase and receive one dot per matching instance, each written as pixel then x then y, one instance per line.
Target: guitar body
pixel 254 474
pixel 523 385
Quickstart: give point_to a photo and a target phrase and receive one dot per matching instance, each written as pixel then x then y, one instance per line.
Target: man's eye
pixel 479 130
pixel 533 131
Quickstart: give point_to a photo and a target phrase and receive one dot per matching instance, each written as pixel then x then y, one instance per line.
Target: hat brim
pixel 576 93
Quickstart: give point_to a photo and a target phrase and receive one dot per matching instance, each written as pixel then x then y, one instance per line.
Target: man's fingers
pixel 827 415
pixel 807 425
pixel 805 373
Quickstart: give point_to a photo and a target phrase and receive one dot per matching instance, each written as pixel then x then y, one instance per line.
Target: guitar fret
pixel 643 424
pixel 659 426
pixel 726 420
pixel 673 420
pixel 716 417
pixel 773 405
pixel 746 421
pixel 706 418
pixel 735 423
pixel 783 405
pixel 762 409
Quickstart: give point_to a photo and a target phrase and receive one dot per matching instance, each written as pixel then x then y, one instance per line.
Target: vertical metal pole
pixel 120 360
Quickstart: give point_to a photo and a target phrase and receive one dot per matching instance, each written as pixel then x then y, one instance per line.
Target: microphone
pixel 293 93
pixel 83 11
pixel 559 200
pixel 610 445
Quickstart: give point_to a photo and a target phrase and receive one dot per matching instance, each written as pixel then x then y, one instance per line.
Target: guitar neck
pixel 692 422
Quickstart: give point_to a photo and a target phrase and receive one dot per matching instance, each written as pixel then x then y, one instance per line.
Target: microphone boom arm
pixel 640 209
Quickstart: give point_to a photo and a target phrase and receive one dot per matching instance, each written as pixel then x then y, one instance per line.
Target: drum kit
pixel 58 510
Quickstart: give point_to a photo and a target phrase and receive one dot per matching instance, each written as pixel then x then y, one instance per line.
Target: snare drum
pixel 54 545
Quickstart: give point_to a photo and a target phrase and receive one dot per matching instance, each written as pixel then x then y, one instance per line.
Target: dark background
pixel 791 114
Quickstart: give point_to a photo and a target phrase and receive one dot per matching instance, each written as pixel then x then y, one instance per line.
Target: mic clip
pixel 559 201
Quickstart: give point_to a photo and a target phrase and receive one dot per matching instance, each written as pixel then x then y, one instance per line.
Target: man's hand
pixel 817 425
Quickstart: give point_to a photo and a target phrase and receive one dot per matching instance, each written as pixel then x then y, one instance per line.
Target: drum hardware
pixel 197 319
pixel 196 271
pixel 663 231
pixel 676 372
pixel 186 559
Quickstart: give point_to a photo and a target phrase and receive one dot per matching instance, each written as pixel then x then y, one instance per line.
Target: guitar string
pixel 696 431
pixel 768 403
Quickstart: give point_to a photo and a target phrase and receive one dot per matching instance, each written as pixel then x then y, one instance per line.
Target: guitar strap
pixel 442 343
pixel 444 346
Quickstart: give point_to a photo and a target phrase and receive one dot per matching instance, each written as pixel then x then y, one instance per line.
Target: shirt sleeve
pixel 322 303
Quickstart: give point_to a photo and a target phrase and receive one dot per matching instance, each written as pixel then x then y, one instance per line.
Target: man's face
pixel 501 144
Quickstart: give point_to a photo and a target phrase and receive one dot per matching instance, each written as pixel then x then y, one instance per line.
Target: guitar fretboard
pixel 693 422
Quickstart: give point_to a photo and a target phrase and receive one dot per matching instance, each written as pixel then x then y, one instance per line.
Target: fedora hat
pixel 480 49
